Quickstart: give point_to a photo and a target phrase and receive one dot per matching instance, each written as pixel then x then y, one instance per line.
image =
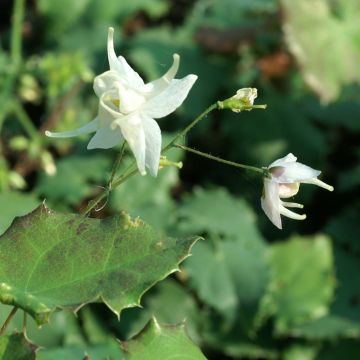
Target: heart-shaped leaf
pixel 51 260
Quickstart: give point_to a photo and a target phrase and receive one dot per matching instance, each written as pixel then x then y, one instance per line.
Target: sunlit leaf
pixel 323 37
pixel 302 281
pixel 162 342
pixel 52 260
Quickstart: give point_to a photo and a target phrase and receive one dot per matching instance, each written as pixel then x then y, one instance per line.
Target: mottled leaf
pixel 51 260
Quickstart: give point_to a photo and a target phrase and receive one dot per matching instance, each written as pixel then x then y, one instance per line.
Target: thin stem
pixel 8 319
pixel 16 38
pixel 227 162
pixel 116 165
pixel 24 323
pixel 103 194
pixel 189 127
pixel 25 121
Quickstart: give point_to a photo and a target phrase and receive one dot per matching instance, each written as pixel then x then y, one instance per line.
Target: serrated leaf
pixel 162 342
pixel 316 28
pixel 302 281
pixel 16 347
pixel 51 260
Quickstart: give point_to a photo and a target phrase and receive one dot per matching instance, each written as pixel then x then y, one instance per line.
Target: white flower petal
pixel 270 202
pixel 120 65
pixel 291 205
pixel 155 87
pixel 105 138
pixel 105 82
pixel 133 132
pixel 86 129
pixel 286 159
pixel 130 100
pixel 153 145
pixel 295 172
pixel 170 99
pixel 129 74
pixel 319 183
pixel 290 214
pixel 288 190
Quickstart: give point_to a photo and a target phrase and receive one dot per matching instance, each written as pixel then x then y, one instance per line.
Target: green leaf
pixel 16 347
pixel 316 28
pixel 148 197
pixel 345 228
pixel 110 351
pixel 74 179
pixel 151 52
pixel 231 273
pixel 51 260
pixel 170 303
pixel 17 204
pixel 162 342
pixel 216 212
pixel 302 281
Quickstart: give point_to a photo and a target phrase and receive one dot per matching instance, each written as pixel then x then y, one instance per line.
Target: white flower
pixel 128 107
pixel 285 177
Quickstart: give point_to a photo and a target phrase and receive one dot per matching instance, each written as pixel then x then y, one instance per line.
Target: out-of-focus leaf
pixel 343 320
pixel 75 179
pixel 218 213
pixel 348 350
pixel 169 302
pixel 16 347
pixel 162 342
pixel 108 351
pixel 232 340
pixel 327 327
pixel 151 51
pixel 285 128
pixel 323 37
pixel 14 204
pixel 345 228
pixel 231 273
pixel 230 13
pixel 341 114
pixel 68 260
pixel 300 352
pixel 302 281
pixel 148 197
pixel 61 329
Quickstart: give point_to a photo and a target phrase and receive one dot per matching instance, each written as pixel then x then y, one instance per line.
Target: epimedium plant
pixel 53 261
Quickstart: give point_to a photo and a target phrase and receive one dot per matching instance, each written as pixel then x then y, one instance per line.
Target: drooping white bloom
pixel 128 107
pixel 286 174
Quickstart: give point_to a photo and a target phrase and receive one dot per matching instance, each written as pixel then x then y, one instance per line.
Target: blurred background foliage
pixel 249 291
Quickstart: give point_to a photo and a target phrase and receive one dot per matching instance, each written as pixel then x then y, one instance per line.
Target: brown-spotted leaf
pixel 50 261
